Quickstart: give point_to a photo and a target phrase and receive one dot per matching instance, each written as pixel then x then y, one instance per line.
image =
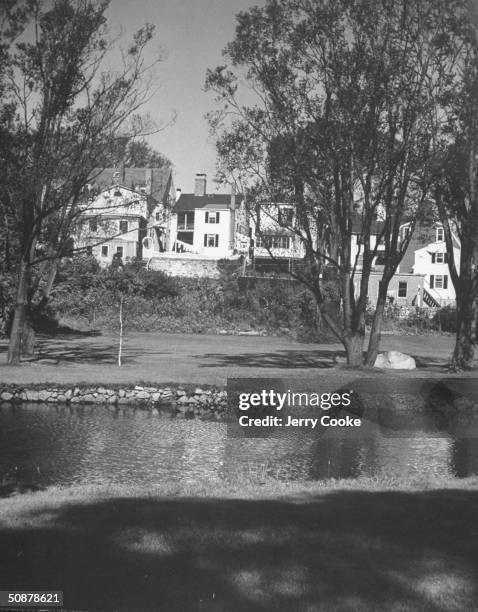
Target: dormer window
pixel 117 193
pixel 116 175
pixel 440 234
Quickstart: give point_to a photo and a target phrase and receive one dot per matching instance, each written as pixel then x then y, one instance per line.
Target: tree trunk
pixel 15 345
pixel 354 348
pixel 376 331
pixel 464 351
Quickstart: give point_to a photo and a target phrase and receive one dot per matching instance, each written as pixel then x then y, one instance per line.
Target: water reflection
pixel 68 445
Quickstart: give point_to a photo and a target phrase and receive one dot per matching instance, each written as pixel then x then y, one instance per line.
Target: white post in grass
pixel 120 351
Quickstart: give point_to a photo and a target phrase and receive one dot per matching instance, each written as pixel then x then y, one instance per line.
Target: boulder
pixel 394 360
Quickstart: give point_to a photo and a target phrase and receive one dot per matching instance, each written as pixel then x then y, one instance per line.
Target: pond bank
pixel 194 402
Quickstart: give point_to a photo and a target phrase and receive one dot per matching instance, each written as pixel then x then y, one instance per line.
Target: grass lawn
pixel 206 359
pixel 348 546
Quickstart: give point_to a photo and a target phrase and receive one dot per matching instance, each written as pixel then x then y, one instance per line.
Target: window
pixel 439 258
pixel 438 281
pixel 285 216
pixel 93 225
pixel 212 217
pixel 119 251
pixel 402 289
pixel 104 251
pixel 89 250
pixel 123 227
pixel 158 216
pixel 273 242
pixel 440 234
pixel 186 220
pixel 211 240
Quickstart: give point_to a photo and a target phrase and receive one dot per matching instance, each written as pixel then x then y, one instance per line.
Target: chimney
pixel 148 175
pixel 178 194
pixel 200 185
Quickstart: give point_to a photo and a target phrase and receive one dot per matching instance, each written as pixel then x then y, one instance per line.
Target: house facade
pixel 126 213
pixel 427 256
pixel 209 225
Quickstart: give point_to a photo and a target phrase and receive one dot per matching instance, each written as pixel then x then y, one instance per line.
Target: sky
pixel 193 34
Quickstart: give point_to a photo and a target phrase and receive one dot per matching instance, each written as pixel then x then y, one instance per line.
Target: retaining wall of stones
pixel 197 402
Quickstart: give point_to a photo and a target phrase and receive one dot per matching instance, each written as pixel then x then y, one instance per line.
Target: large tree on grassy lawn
pixel 61 116
pixel 456 179
pixel 341 126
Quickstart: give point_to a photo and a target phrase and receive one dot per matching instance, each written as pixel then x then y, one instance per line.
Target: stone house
pixel 126 213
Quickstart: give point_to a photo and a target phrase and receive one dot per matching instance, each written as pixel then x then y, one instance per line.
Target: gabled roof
pixel 216 201
pixel 130 177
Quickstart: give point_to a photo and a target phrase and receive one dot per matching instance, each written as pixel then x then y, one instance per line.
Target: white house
pixel 427 256
pixel 209 225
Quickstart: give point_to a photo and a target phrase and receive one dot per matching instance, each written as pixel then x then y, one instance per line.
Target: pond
pixel 68 445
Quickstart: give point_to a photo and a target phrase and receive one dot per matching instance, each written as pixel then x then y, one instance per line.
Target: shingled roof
pixel 189 201
pixel 130 177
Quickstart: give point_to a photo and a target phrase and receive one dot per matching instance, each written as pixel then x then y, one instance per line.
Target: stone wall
pixel 186 266
pixel 198 402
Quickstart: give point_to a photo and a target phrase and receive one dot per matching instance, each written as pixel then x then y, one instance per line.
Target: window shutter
pixel 433 257
pixel 432 281
pixel 217 217
pixel 205 239
pixel 216 240
pixel 445 281
pixel 445 259
pixel 207 218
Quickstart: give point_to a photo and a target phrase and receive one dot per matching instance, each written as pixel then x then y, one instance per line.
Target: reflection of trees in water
pixel 465 456
pixel 42 443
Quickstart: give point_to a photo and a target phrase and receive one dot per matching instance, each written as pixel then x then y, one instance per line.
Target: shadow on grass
pixel 346 550
pixel 323 358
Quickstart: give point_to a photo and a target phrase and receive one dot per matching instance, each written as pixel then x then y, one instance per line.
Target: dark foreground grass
pixel 353 546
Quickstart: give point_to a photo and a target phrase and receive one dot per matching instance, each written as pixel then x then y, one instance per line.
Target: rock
pixel 340 359
pixel 32 396
pixel 112 399
pixel 156 397
pixel 43 396
pixel 394 360
pixel 101 390
pixel 6 396
pixel 252 332
pixel 143 395
pixel 121 392
pixel 88 398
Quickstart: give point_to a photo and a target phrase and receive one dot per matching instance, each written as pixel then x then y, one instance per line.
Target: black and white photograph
pixel 239 305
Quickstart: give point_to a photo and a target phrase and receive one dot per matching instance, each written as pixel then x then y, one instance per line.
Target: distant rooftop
pixel 160 179
pixel 189 201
